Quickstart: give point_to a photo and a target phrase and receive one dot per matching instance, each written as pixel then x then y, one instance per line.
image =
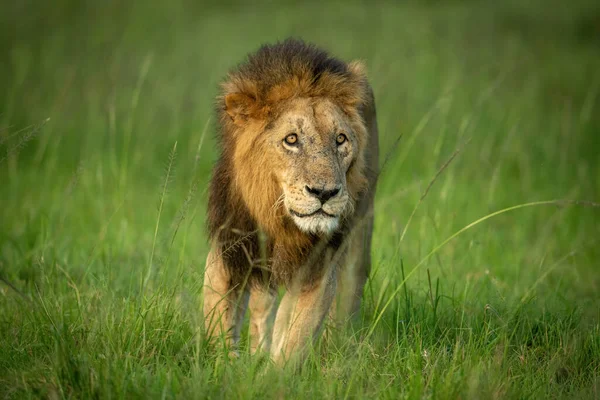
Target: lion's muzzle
pixel 317 208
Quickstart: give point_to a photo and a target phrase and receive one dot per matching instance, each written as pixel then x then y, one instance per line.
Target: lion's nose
pixel 322 194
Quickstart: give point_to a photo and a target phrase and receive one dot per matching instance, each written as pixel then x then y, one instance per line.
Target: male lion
pixel 291 196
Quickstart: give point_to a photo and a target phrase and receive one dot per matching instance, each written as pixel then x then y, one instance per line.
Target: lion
pixel 290 198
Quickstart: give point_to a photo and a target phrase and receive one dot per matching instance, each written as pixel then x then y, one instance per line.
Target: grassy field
pixel 481 288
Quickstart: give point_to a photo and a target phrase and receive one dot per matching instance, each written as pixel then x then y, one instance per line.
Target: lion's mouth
pixel 320 212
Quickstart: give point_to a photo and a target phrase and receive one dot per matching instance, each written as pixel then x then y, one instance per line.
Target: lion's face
pixel 314 146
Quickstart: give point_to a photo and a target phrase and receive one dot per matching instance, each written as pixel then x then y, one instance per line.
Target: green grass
pixel 102 226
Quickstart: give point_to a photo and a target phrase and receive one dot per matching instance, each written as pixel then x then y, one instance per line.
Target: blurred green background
pixel 95 201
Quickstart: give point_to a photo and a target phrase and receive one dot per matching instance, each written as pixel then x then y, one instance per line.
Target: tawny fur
pixel 256 245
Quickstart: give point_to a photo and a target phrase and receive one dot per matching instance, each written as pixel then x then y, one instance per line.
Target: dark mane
pixel 275 64
pixel 293 68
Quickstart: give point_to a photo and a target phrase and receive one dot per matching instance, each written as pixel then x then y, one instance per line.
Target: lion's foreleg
pixel 262 314
pixel 347 282
pixel 354 273
pixel 300 317
pixel 224 303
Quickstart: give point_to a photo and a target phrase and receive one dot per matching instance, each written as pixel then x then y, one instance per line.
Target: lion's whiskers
pixel 277 204
pixel 349 210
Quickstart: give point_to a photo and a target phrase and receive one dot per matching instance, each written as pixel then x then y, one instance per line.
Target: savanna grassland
pixel 485 283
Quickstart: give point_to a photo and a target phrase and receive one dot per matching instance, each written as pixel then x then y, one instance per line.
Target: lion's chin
pixel 317 224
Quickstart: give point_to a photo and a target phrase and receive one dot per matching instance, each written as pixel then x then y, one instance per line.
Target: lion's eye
pixel 341 138
pixel 291 139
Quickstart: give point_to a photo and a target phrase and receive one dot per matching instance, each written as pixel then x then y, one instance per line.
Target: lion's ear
pixel 358 68
pixel 359 72
pixel 239 107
